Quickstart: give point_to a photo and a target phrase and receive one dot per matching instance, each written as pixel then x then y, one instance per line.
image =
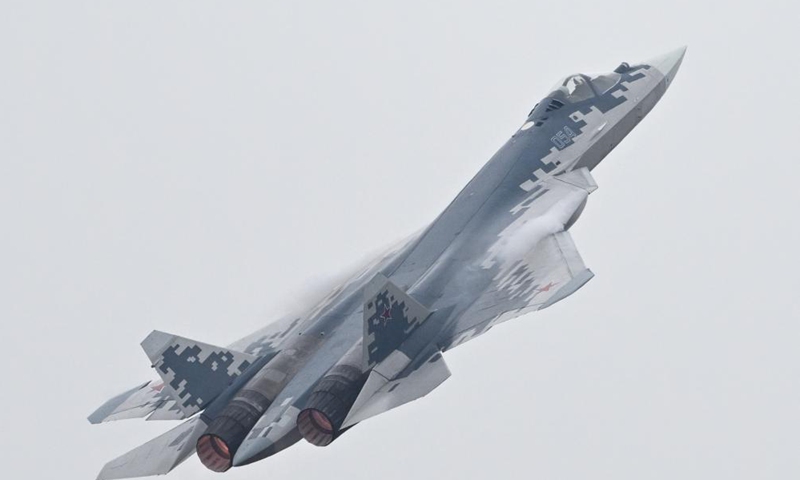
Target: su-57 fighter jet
pixel 499 250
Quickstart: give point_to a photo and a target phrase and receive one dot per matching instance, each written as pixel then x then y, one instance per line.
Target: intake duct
pixel 320 423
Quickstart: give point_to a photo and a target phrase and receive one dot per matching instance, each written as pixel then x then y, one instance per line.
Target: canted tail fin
pixel 194 373
pixel 390 316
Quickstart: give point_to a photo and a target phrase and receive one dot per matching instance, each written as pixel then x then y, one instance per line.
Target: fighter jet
pixel 501 249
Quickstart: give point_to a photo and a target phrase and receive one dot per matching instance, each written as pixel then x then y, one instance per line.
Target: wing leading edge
pixel 536 259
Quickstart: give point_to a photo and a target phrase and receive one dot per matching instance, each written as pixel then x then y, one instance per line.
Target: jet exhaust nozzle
pixel 214 453
pixel 217 447
pixel 320 423
pixel 233 420
pixel 316 427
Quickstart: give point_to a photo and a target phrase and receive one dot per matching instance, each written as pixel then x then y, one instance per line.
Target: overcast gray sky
pixel 190 166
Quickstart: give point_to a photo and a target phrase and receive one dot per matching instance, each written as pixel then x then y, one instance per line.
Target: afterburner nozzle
pixel 316 427
pixel 214 453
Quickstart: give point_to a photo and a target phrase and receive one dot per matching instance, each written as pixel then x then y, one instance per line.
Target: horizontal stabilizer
pixel 167 411
pixel 390 315
pixel 194 373
pixel 139 402
pixel 381 394
pixel 158 456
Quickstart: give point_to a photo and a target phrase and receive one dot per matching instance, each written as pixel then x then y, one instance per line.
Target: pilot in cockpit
pixel 580 87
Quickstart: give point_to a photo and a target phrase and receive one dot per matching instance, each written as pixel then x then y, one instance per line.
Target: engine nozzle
pixel 316 427
pixel 214 453
pixel 320 423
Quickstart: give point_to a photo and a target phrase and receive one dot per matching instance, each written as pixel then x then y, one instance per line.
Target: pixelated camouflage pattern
pixel 194 373
pixel 499 250
pixel 390 316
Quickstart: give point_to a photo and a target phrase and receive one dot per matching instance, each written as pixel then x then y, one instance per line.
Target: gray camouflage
pixel 501 249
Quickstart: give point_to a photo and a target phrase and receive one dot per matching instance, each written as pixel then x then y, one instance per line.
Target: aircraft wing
pixel 535 260
pixel 533 264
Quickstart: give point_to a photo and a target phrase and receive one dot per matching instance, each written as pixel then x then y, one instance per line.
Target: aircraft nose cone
pixel 668 63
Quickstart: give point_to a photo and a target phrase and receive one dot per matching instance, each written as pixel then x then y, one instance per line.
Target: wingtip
pixel 111 406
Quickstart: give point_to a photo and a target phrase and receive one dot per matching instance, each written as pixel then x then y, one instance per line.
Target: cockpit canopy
pixel 579 87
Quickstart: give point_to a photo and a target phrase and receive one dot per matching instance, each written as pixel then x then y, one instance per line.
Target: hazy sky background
pixel 195 166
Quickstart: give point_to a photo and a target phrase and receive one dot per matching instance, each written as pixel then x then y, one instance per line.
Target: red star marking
pixel 385 316
pixel 158 387
pixel 547 287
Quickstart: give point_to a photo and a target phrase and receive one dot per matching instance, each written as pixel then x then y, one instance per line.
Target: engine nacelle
pixel 235 418
pixel 320 423
pixel 225 434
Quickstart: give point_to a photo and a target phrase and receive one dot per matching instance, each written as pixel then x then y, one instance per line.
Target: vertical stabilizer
pixel 194 373
pixel 390 315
